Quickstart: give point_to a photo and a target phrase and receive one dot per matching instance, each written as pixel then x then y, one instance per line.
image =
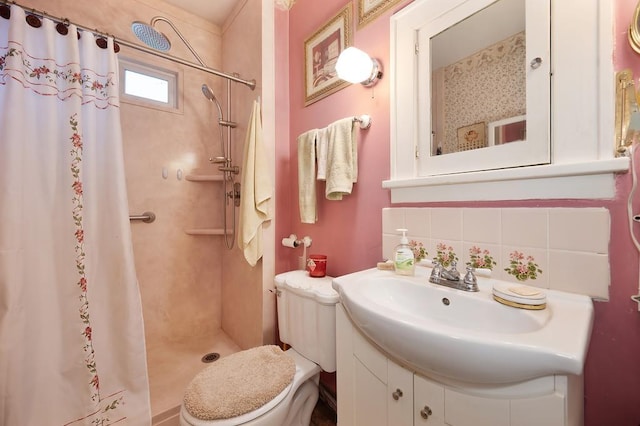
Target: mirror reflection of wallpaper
pixel 487 86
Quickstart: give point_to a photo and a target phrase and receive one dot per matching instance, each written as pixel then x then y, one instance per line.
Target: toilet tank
pixel 307 316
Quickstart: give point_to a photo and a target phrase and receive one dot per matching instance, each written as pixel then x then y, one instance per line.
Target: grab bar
pixel 146 217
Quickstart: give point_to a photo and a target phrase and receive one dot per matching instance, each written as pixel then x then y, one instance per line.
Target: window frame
pixel 173 78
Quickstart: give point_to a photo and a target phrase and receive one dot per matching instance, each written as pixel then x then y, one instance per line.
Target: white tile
pixel 446 223
pixel 392 219
pixel 482 225
pixel 579 272
pixel 389 242
pixel 493 249
pixel 418 221
pixel 539 258
pixel 457 247
pixel 578 229
pixel 526 227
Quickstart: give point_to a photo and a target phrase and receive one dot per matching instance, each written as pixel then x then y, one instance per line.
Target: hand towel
pixel 322 143
pixel 255 192
pixel 342 158
pixel 307 176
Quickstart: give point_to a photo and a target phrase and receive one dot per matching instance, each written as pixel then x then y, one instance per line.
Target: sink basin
pixel 468 337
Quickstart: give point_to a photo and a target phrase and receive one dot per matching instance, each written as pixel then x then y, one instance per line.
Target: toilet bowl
pixel 306 320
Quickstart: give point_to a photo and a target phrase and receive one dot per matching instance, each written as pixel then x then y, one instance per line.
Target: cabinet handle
pixel 426 412
pixel 535 63
pixel 397 394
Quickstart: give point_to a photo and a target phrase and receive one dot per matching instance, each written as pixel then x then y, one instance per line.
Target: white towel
pixel 256 190
pixel 342 158
pixel 307 176
pixel 322 145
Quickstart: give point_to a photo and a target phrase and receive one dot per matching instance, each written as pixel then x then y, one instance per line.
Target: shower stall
pixel 199 297
pixel 158 41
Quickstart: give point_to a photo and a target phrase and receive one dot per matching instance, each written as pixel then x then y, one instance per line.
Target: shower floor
pixel 172 365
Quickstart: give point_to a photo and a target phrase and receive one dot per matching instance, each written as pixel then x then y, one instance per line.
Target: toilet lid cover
pixel 239 383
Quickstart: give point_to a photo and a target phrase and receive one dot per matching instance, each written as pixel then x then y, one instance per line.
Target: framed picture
pixel 369 10
pixel 472 137
pixel 321 52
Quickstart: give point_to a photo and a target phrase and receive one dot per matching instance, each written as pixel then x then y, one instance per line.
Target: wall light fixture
pixel 355 66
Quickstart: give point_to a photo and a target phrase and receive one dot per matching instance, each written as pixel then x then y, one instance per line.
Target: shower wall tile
pixel 569 245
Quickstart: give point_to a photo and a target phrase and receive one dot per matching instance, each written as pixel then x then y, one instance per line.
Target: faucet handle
pixel 437 268
pixel 470 279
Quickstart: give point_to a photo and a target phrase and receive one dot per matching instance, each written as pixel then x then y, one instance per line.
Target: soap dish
pixel 519 305
pixel 524 297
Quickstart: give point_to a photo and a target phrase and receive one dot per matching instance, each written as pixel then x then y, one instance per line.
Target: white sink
pixel 466 336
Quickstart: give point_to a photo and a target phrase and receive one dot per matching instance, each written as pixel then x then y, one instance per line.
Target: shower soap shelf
pixel 205 231
pixel 204 178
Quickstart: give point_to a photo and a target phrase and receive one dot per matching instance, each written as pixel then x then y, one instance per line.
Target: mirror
pixel 478 76
pixel 467 65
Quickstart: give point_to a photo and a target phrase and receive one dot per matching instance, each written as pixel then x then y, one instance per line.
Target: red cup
pixel 317 265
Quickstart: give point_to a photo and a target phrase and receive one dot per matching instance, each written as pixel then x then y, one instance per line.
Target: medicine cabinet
pixel 502 99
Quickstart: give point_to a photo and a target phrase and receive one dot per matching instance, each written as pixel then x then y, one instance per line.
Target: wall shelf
pixel 204 178
pixel 205 231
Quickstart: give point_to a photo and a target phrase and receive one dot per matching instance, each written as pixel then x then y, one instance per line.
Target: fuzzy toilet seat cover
pixel 239 383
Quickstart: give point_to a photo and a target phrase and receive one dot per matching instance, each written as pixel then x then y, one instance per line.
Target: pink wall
pixel 349 231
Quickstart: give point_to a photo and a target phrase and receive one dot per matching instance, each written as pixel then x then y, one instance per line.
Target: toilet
pixel 306 322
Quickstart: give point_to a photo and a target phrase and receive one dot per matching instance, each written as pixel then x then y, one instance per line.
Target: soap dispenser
pixel 403 258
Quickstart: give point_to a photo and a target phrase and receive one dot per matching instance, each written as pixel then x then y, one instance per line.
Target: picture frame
pixel 321 51
pixel 473 136
pixel 369 10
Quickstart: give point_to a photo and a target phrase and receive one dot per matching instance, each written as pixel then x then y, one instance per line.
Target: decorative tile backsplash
pixel 568 246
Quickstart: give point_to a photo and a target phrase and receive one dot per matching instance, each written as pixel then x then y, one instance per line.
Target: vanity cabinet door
pixel 399 395
pixel 545 410
pixel 370 398
pixel 428 402
pixel 470 410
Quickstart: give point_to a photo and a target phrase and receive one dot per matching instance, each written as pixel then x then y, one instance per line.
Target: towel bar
pixel 146 217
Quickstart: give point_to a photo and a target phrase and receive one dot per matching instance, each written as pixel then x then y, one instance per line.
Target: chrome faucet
pixel 451 277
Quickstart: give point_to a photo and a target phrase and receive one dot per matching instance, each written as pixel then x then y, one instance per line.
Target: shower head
pixel 150 36
pixel 208 93
pixel 153 38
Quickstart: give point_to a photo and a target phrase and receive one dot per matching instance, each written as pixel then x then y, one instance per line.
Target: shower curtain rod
pixel 249 83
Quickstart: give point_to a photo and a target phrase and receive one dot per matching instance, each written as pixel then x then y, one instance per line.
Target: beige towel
pixel 342 158
pixel 307 176
pixel 322 145
pixel 256 190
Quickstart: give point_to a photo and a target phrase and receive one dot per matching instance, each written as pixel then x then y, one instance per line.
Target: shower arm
pixel 184 40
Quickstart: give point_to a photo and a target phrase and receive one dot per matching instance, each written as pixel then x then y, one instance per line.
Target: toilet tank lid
pixel 301 283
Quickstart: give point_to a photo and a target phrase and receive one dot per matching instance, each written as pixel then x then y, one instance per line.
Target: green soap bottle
pixel 403 260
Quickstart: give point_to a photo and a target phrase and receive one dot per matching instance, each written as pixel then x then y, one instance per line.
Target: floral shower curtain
pixel 71 335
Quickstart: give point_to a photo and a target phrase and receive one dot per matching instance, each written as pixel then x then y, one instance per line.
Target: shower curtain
pixel 71 335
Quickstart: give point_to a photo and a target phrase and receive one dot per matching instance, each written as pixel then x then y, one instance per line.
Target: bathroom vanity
pixel 373 390
pixel 419 364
